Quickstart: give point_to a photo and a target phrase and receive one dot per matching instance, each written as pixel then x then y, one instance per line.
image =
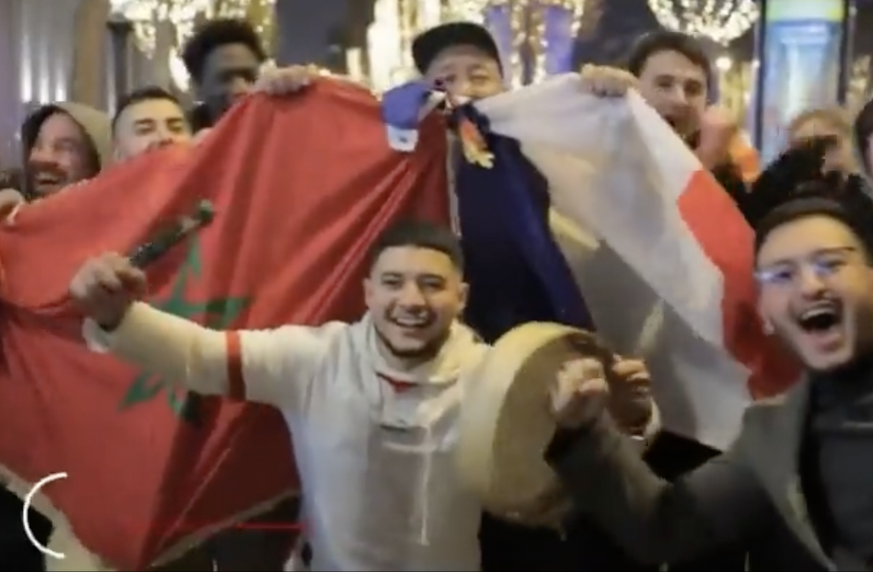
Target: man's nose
pixel 810 282
pixel 411 295
pixel 41 155
pixel 239 86
pixel 678 96
pixel 461 88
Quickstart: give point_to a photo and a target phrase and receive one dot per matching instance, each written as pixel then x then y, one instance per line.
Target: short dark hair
pixel 213 35
pixel 420 234
pixel 658 41
pixel 810 202
pixel 147 93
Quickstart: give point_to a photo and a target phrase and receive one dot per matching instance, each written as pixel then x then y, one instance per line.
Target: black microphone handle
pixel 154 249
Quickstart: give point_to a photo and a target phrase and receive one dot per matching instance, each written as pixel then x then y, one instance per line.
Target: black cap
pixel 427 45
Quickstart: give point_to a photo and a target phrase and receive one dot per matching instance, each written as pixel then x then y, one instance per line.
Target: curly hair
pixel 213 35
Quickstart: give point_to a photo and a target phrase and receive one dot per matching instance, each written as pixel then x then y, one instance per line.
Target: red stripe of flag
pixel 727 240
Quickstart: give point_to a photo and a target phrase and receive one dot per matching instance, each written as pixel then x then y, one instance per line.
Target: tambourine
pixel 506 422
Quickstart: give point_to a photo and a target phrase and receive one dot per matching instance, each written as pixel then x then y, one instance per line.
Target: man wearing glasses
pixel 796 487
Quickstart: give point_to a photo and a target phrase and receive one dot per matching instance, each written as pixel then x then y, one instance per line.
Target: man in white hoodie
pixel 372 406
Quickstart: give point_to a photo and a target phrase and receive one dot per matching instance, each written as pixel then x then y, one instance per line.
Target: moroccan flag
pixel 301 187
pixel 595 214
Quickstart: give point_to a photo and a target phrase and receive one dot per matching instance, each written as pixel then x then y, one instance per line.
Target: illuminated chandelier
pixel 468 10
pixel 180 16
pixel 719 20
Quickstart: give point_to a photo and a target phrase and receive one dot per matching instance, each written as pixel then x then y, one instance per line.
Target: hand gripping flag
pixel 301 186
pixel 660 252
pixel 595 205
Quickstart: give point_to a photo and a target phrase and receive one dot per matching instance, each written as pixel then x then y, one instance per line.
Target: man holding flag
pixel 525 226
pixel 372 406
pixel 509 244
pixel 672 72
pixel 463 59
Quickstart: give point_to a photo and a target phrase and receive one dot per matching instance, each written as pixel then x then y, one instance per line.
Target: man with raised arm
pixel 372 406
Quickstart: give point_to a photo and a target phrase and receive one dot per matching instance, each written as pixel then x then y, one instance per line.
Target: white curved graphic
pixel 28 499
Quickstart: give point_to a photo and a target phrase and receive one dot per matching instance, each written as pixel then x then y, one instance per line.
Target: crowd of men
pixel 66 142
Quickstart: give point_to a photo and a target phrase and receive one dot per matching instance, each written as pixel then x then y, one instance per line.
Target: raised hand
pixel 630 399
pixel 105 287
pixel 718 127
pixel 580 393
pixel 606 81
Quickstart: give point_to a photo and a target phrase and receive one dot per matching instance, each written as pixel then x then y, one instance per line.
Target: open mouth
pixel 413 321
pixel 47 180
pixel 822 318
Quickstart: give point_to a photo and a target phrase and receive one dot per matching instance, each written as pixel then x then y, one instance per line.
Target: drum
pixel 506 422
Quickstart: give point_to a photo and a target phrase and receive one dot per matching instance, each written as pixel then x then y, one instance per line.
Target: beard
pixel 426 352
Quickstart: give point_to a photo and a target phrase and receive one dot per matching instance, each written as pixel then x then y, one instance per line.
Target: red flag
pixel 301 187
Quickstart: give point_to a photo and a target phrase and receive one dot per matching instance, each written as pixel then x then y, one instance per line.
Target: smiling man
pixel 462 57
pixel 64 143
pixel 796 485
pixel 148 118
pixel 223 58
pixel 816 292
pixel 372 406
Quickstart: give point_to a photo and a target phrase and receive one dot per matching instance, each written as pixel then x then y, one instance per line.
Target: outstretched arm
pixel 267 366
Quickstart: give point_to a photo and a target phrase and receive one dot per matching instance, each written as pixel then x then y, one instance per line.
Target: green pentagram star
pixel 218 313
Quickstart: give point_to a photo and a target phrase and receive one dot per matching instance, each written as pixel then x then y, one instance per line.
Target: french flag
pixel 593 213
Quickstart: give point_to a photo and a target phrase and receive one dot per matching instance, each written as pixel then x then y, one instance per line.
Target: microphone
pixel 154 249
pixel 183 227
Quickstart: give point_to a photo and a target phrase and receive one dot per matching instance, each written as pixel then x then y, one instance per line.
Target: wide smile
pixel 409 322
pixel 822 324
pixel 47 180
pixel 412 323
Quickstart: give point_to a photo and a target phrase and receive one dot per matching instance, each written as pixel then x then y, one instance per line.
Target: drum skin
pixel 506 423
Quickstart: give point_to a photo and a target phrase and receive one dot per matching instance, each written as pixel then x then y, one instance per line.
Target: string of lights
pixel 532 24
pixel 719 20
pixel 178 18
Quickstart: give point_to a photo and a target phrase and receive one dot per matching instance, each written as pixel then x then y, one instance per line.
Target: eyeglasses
pixel 823 265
